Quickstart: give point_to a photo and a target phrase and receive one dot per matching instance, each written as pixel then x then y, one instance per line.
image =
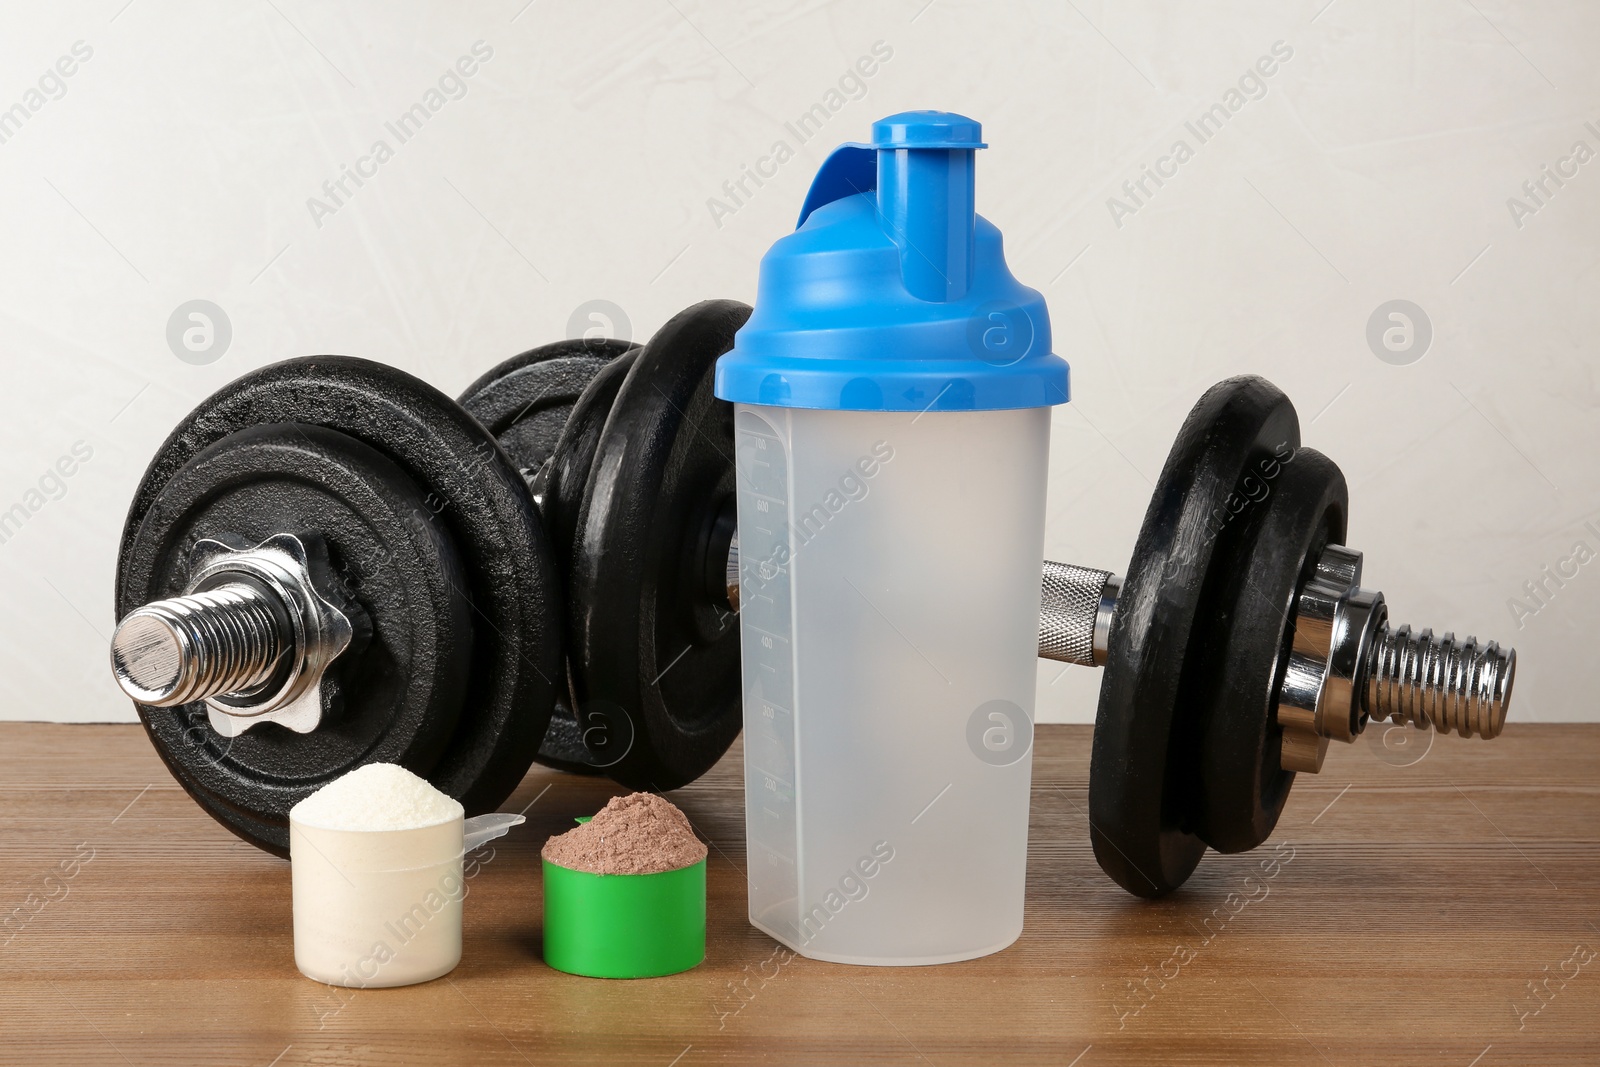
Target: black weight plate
pixel 527 402
pixel 563 746
pixel 574 453
pixel 655 666
pixel 1142 772
pixel 399 689
pixel 1297 507
pixel 474 493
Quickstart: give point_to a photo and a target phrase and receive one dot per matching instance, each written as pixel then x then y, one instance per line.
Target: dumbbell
pixel 1239 644
pixel 329 563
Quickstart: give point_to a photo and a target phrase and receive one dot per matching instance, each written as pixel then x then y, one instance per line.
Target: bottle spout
pixel 925 198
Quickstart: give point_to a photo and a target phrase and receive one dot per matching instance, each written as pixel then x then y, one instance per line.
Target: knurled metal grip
pixel 1075 608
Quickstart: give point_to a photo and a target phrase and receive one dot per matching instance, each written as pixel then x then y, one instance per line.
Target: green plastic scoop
pixel 624 925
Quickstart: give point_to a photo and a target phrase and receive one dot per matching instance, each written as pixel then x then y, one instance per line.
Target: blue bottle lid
pixel 893 294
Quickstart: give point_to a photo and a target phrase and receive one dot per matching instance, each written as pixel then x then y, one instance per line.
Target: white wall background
pixel 178 162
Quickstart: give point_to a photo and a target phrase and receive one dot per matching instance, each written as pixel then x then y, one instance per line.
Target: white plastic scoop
pixel 379 907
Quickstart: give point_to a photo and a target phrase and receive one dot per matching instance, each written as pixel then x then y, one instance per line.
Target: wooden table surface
pixel 1441 912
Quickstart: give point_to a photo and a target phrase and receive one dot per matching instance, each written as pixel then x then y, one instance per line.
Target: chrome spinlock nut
pixel 1346 666
pixel 251 636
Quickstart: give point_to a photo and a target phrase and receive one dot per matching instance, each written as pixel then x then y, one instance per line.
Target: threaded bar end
pixel 227 640
pixel 1439 682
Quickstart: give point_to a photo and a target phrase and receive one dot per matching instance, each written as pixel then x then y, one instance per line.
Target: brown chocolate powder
pixel 636 834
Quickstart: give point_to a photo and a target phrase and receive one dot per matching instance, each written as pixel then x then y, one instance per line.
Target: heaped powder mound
pixel 378 796
pixel 636 834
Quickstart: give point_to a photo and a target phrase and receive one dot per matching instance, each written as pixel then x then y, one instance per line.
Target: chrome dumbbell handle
pixel 1075 608
pixel 223 645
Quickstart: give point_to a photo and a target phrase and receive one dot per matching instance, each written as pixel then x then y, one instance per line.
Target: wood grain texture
pixel 1410 909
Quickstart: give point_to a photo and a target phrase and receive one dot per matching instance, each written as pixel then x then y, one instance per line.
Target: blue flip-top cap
pixel 893 294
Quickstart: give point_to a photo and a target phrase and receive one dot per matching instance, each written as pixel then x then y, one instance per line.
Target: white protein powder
pixel 379 796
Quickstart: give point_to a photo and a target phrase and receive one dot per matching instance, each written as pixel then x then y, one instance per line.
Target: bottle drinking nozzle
pixel 925 193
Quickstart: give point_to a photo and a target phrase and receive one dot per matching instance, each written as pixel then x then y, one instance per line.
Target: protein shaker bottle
pixel 892 393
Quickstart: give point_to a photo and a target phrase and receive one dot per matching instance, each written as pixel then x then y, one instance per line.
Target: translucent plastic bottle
pixel 891 404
